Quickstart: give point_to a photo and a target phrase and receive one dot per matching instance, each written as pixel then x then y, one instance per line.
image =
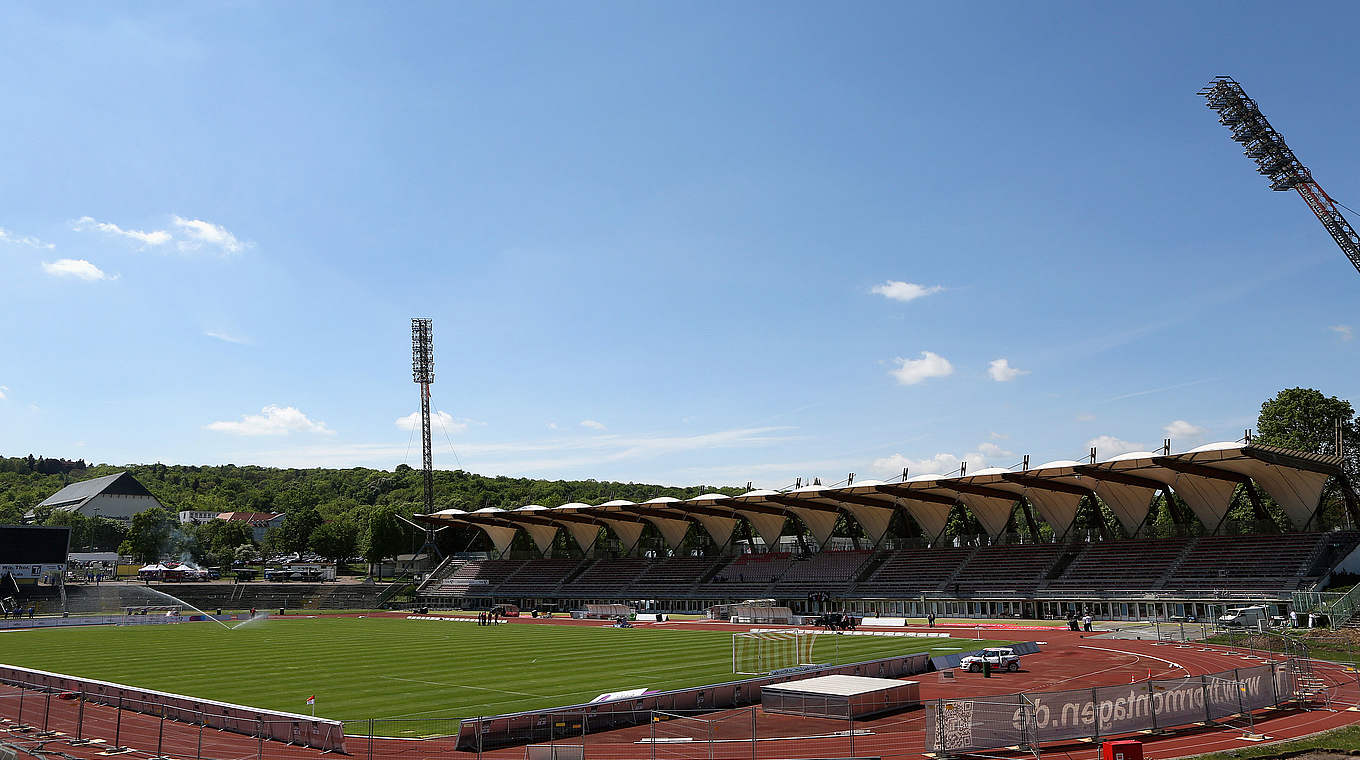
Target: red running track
pixel 1069 660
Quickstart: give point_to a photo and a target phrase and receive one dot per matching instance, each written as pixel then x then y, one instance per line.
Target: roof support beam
pixel 912 493
pixel 1199 470
pixel 977 490
pixel 807 503
pixel 1120 477
pixel 1047 484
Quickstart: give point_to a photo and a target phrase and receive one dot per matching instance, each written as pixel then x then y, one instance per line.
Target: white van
pixel 1245 617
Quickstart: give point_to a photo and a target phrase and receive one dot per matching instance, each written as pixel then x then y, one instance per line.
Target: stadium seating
pixel 913 571
pixel 605 577
pixel 1006 568
pixel 827 570
pixel 748 574
pixel 1136 564
pixel 476 578
pixel 1260 562
pixel 537 576
pixel 674 575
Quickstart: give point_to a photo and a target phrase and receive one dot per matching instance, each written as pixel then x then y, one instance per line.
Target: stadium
pixel 740 651
pixel 677 248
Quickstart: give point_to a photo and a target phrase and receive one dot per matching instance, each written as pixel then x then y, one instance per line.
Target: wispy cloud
pixel 540 457
pixel 440 419
pixel 1163 389
pixel 1001 371
pixel 273 420
pixel 1343 331
pixel 188 235
pixel 1085 417
pixel 4 389
pixel 985 454
pixel 592 424
pixel 227 337
pixel 154 237
pixel 913 371
pixel 552 426
pixel 197 233
pixel 1107 446
pixel 1182 429
pixel 25 240
pixel 897 290
pixel 78 268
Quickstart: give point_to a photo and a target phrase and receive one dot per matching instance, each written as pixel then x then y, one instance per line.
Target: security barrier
pixel 965 725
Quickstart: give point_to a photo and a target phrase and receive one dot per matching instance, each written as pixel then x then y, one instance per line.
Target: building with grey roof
pixel 117 497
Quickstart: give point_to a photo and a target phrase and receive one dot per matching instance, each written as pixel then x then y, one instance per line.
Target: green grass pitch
pixel 392 667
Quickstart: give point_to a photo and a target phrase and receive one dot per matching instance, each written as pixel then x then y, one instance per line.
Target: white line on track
pixel 1135 654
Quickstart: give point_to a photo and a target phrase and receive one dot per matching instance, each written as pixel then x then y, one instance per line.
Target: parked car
pixel 1001 658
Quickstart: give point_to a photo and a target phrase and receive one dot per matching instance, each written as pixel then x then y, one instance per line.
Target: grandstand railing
pixel 1338 607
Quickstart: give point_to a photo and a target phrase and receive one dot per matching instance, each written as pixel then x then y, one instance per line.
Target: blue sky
pixel 709 243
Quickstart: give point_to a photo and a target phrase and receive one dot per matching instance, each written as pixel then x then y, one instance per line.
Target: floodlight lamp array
pixel 1259 140
pixel 422 351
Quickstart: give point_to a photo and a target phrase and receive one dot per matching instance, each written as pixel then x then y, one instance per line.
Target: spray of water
pixel 177 600
pixel 258 616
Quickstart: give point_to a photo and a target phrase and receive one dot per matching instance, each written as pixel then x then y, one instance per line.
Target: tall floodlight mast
pixel 1276 161
pixel 422 371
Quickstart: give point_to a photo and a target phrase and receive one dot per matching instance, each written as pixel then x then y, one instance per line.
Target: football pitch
pixel 395 668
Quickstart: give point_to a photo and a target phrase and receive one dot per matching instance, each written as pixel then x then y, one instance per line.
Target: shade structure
pixel 1205 477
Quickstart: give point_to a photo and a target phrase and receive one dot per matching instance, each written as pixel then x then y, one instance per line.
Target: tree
pixel 218 540
pixel 1305 419
pixel 337 540
pixel 296 531
pixel 149 535
pixel 383 534
pixel 246 554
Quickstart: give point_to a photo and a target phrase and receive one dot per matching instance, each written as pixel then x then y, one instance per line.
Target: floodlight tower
pixel 422 371
pixel 1276 161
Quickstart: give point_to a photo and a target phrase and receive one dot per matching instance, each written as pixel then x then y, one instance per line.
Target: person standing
pixel 930 619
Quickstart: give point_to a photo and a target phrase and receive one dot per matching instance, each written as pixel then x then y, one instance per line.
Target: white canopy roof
pixel 1205 478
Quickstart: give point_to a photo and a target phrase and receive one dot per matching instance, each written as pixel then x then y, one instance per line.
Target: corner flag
pixel 311 700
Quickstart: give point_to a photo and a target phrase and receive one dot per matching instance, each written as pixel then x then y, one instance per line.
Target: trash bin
pixel 986 669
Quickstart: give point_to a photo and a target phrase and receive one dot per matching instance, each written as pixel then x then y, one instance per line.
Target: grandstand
pixel 999 572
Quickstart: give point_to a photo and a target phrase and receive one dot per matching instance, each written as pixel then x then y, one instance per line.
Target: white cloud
pixel 913 371
pixel 273 420
pixel 1345 332
pixel 552 426
pixel 1182 429
pixel 592 424
pixel 552 456
pixel 1086 417
pixel 154 237
pixel 4 389
pixel 904 291
pixel 938 464
pixel 440 420
pixel 76 268
pixel 1001 371
pixel 200 233
pixel 1107 446
pixel 28 240
pixel 995 436
pixel 989 450
pixel 227 337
